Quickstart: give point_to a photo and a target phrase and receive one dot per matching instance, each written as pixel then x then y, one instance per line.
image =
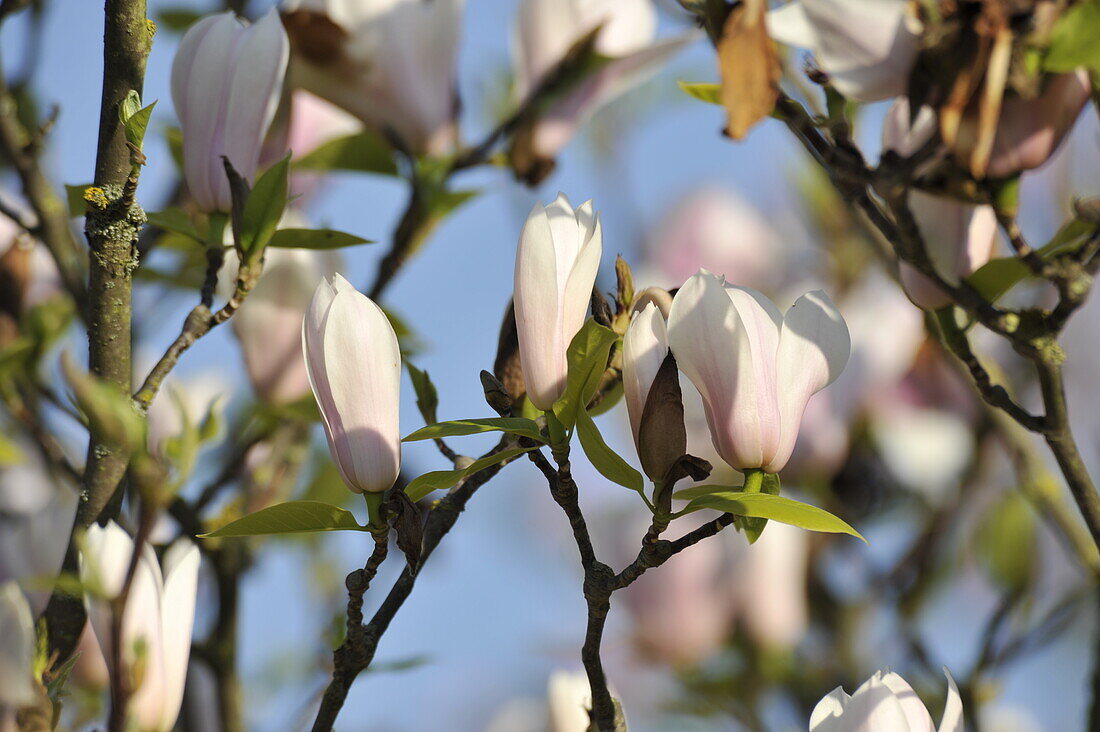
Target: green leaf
pixel 587 360
pixel 427 398
pixel 457 428
pixel 446 202
pixel 178 18
pixel 611 397
pixel 1074 39
pixel 135 118
pixel 363 152
pixel 775 508
pixel 444 479
pixel 1006 542
pixel 754 527
pixel 315 239
pixel 74 197
pixel 998 276
pixel 175 220
pixel 264 208
pixel 703 91
pixel 609 463
pixel 10 454
pixel 293 517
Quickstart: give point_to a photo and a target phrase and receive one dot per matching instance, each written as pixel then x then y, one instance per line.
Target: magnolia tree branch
pixel 111 226
pixel 357 651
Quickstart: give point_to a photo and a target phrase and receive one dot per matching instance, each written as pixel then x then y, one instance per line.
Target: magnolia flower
pixel 545 32
pixel 645 347
pixel 754 367
pixel 570 700
pixel 959 237
pixel 391 63
pixel 884 702
pixel 226 81
pixel 354 366
pixel 1029 130
pixel 17 649
pixel 27 271
pixel 771 587
pixel 867 47
pixel 34 511
pixel 157 621
pixel 269 324
pixel 556 263
pixel 717 229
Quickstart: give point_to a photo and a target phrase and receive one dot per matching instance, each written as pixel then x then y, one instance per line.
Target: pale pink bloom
pixel 570 700
pixel 718 230
pixel 226 81
pixel 354 365
pixel 90 669
pixel 754 367
pixel 867 47
pixel 269 324
pixel 394 68
pixel 959 237
pixel 556 264
pixel 645 347
pixel 43 280
pixel 884 702
pixel 771 586
pixel 17 649
pixel 545 32
pixel 157 621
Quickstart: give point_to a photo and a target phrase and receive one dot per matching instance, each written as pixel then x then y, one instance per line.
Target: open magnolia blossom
pixel 867 47
pixel 569 697
pixel 545 32
pixel 556 263
pixel 755 367
pixel 645 347
pixel 226 81
pixel 391 63
pixel 354 366
pixel 885 702
pixel 269 324
pixel 17 650
pixel 157 621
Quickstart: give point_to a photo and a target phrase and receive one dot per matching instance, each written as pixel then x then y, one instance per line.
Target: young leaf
pixel 135 122
pixel 363 152
pixel 175 220
pixel 74 197
pixel 263 208
pixel 427 398
pixel 443 479
pixel 587 360
pixel 609 463
pixel 704 92
pixel 457 428
pixel 315 239
pixel 754 526
pixel 1073 39
pixel 776 508
pixel 293 517
pixel 998 276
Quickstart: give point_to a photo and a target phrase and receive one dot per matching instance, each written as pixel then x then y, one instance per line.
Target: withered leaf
pixel 749 68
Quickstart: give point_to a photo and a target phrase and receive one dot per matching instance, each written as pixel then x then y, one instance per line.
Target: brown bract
pixel 749 68
pixel 315 37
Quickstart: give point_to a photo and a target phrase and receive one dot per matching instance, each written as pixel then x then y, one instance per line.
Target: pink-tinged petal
pixel 901 136
pixel 645 347
pixel 181 575
pixel 814 346
pixel 560 123
pixel 755 390
pixel 313 349
pixel 826 714
pixel 959 238
pixel 17 649
pixel 362 362
pixel 773 587
pixel 788 24
pixel 570 699
pixel 952 720
pixel 915 712
pixel 582 278
pixel 538 305
pixel 712 349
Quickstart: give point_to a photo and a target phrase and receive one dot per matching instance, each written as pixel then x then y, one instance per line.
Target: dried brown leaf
pixel 749 67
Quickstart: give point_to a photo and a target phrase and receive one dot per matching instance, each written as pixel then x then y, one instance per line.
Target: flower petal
pixel 645 347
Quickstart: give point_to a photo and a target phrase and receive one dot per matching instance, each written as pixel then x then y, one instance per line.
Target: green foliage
pixel 458 428
pixel 609 463
pixel 427 398
pixel 134 118
pixel 264 208
pixel 704 92
pixel 292 517
pixel 998 276
pixel 10 454
pixel 315 239
pixel 175 220
pixel 444 479
pixel 183 448
pixel 108 409
pixel 587 360
pixel 764 506
pixel 1006 542
pixel 1074 39
pixel 363 152
pixel 752 526
pixel 74 198
pixel 177 18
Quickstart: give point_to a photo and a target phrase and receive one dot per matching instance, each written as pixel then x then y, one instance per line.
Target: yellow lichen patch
pixel 96 197
pixel 151 27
